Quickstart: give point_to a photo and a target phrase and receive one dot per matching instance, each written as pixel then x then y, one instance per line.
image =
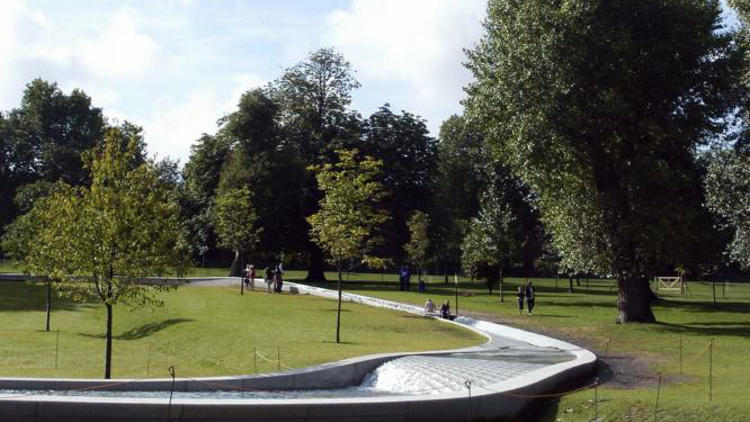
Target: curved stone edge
pixel 503 399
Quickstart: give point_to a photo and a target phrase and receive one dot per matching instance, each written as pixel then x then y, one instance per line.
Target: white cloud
pixel 120 51
pixel 174 126
pixel 419 43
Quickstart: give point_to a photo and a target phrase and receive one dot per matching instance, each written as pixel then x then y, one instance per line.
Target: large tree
pixel 105 239
pixel 201 176
pixel 402 141
pixel 43 139
pixel 728 188
pixel 598 107
pixel 313 98
pixel 273 170
pixel 345 225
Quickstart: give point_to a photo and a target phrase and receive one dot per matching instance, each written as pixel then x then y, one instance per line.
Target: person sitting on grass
pixel 429 307
pixel 521 297
pixel 445 309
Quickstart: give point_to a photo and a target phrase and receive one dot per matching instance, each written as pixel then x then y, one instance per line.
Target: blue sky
pixel 176 66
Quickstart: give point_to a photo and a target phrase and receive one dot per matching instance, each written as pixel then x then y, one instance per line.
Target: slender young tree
pixel 418 246
pixel 489 243
pixel 104 240
pixel 235 223
pixel 22 237
pixel 344 226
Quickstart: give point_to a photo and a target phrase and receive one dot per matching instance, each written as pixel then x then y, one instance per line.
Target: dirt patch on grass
pixel 614 369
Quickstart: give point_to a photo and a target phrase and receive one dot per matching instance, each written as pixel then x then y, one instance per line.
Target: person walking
pixel 530 297
pixel 406 275
pixel 269 279
pixel 279 279
pixel 520 295
pixel 250 274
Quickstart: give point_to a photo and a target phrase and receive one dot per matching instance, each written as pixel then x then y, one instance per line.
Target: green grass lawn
pixel 203 331
pixel 587 317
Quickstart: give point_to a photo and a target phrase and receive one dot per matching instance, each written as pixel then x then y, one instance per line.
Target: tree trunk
pixel 445 271
pixel 501 285
pixel 108 349
pixel 338 311
pixel 570 284
pixel 238 265
pixel 633 301
pixel 316 270
pixel 49 303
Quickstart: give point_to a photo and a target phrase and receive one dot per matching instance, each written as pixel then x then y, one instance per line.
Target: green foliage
pixel 728 194
pixel 102 241
pixel 344 225
pixel 274 172
pixel 403 143
pixel 235 220
pixel 313 97
pixel 598 107
pixel 489 244
pixel 419 240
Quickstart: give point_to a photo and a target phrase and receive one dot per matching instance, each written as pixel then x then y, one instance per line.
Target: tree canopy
pixel 598 107
pixel 102 241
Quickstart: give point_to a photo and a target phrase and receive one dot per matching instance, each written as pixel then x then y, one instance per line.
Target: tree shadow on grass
pixel 707 306
pixel 739 329
pixel 144 330
pixel 23 296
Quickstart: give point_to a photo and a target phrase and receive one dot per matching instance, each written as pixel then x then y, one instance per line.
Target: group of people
pixel 274 278
pixel 445 308
pixel 526 293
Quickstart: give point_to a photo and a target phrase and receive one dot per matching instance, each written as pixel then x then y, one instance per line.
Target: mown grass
pixel 202 331
pixel 587 317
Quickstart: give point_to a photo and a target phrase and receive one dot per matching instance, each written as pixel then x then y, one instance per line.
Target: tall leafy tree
pixel 466 169
pixel 459 182
pixel 345 225
pixel 403 143
pixel 236 224
pixel 605 101
pixel 43 139
pixel 728 188
pixel 22 237
pixel 418 247
pixel 201 176
pixel 274 171
pixel 489 245
pixel 103 240
pixel 313 97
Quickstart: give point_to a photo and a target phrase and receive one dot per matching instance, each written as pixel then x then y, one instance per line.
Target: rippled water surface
pixel 410 375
